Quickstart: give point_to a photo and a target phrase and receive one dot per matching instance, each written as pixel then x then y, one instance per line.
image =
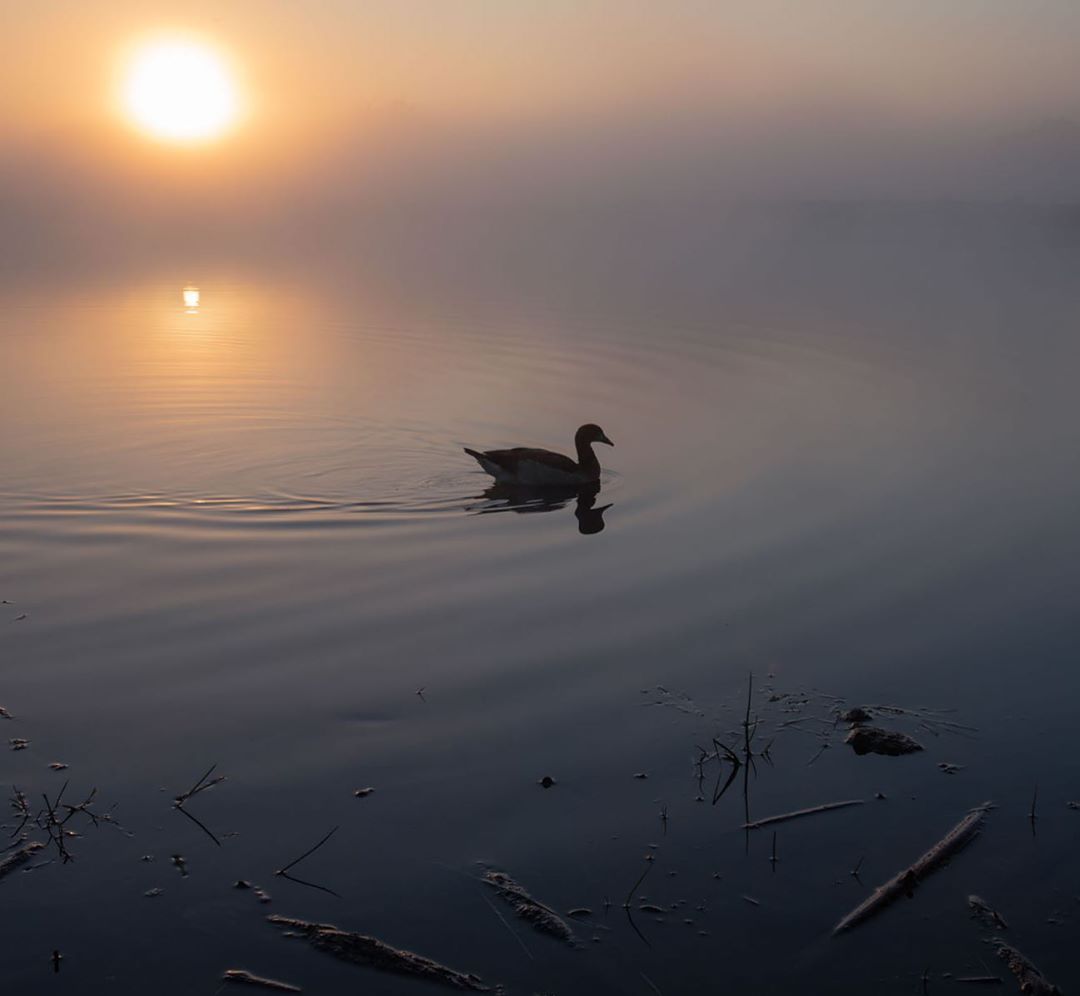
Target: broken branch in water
pixel 360 949
pixel 823 808
pixel 904 883
pixel 1031 980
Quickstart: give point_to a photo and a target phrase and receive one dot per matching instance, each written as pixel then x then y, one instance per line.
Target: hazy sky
pixel 325 61
pixel 361 107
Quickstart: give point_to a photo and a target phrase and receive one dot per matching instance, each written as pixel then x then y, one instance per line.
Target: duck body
pixel 545 468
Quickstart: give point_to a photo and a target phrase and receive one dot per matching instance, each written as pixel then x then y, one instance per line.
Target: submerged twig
pixel 904 883
pixel 240 975
pixel 780 818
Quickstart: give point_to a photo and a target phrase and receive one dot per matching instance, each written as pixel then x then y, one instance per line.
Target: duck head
pixel 591 433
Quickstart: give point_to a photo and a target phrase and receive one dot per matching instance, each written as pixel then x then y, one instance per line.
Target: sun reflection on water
pixel 191 300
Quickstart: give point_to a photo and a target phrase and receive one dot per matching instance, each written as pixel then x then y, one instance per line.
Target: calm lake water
pixel 242 532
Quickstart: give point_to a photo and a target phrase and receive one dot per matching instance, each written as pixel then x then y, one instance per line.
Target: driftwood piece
pixel 904 883
pixel 364 950
pixel 1031 980
pixel 542 917
pixel 240 975
pixel 982 910
pixel 875 740
pixel 19 857
pixel 782 817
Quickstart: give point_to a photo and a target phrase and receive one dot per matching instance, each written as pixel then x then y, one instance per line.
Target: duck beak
pixel 604 439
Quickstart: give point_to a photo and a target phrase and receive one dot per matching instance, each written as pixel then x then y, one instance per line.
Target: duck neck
pixel 586 459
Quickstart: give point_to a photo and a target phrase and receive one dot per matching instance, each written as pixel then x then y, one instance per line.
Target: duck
pixel 545 468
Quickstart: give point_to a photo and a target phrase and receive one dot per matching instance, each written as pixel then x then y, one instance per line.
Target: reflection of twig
pixel 53 825
pixel 630 895
pixel 652 985
pixel 83 807
pixel 52 818
pixel 199 823
pixel 736 763
pixel 284 872
pixel 634 927
pixel 633 888
pixel 201 785
pixel 310 885
pixel 513 933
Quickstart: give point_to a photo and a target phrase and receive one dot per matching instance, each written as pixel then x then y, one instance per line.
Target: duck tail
pixel 473 453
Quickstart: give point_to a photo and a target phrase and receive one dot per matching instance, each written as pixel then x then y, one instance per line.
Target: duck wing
pixel 523 462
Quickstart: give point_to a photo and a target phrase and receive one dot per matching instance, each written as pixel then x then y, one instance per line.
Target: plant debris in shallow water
pixel 361 949
pixel 542 917
pixel 19 857
pixel 1031 980
pixel 874 740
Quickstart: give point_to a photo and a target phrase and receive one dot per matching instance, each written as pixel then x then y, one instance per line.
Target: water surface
pixel 244 533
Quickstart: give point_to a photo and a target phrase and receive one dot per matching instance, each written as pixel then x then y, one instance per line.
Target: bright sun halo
pixel 180 91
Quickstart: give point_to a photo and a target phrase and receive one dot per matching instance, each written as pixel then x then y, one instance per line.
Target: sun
pixel 179 90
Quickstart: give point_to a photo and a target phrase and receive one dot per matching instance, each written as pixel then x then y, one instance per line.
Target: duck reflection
pixel 503 497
